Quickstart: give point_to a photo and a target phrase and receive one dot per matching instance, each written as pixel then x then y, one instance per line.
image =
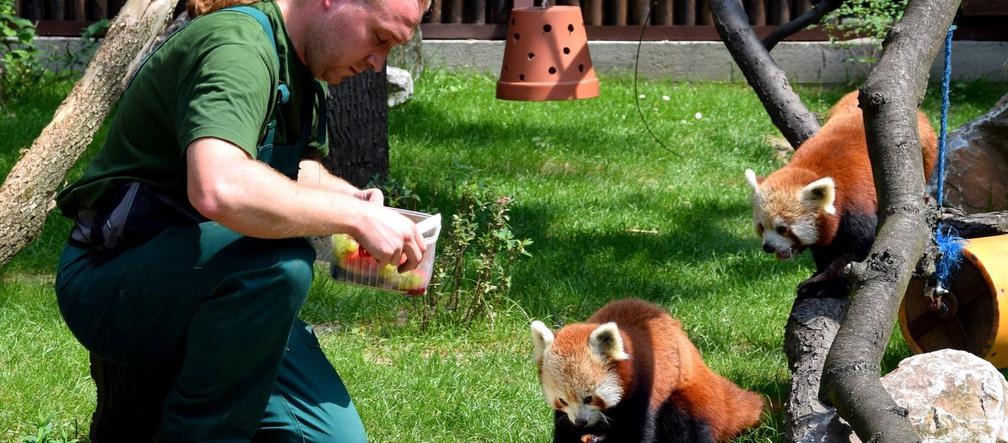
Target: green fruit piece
pixel 343 245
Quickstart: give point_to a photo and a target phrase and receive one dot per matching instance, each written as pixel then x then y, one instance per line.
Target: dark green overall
pixel 218 306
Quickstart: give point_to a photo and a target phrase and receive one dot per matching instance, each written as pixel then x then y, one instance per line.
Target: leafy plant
pixel 19 65
pixel 398 194
pixel 872 19
pixel 472 272
pixel 45 433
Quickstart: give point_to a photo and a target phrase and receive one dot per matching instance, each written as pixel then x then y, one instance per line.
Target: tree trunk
pixel 769 82
pixel 810 329
pixel 358 129
pixel 27 193
pixel 889 98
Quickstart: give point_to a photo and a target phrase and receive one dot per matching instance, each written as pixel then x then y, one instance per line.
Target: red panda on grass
pixel 630 374
pixel 824 198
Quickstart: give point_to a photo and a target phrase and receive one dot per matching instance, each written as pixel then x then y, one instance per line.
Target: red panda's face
pixel 577 369
pixel 786 213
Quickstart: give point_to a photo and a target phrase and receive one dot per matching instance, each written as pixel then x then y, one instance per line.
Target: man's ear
pixel 821 194
pixel 606 342
pixel 542 338
pixel 752 179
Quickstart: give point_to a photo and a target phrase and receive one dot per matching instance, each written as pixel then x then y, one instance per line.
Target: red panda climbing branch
pixel 824 198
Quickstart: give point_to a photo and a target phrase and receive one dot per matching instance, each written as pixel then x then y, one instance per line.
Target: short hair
pixel 196 8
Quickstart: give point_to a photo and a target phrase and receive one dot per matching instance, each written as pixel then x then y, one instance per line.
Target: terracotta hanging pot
pixel 546 56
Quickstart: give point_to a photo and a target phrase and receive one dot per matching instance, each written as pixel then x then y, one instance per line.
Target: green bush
pixel 19 65
pixel 872 19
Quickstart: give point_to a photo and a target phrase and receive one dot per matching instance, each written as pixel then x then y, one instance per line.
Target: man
pixel 188 250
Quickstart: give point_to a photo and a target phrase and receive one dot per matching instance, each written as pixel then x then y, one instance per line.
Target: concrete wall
pixel 804 62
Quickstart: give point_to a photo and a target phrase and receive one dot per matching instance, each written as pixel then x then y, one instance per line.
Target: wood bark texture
pixel 801 22
pixel 889 98
pixel 26 196
pixel 358 129
pixel 982 224
pixel 770 83
pixel 810 329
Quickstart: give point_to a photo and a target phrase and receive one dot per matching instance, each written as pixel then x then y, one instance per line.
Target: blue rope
pixel 946 78
pixel 949 242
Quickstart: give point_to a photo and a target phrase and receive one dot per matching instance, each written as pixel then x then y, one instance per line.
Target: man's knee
pixel 294 269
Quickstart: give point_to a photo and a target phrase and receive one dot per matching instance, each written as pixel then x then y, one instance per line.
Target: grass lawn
pixel 612 214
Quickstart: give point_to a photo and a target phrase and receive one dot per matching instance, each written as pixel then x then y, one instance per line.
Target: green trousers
pixel 222 307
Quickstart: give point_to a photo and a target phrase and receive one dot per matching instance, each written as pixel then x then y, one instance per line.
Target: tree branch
pixel 812 16
pixel 770 83
pixel 889 98
pixel 27 193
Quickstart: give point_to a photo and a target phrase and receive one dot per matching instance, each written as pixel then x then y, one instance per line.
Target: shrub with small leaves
pixel 19 65
pixel 475 254
pixel 871 19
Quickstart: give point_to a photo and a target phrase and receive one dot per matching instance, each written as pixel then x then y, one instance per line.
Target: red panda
pixel 630 374
pixel 824 198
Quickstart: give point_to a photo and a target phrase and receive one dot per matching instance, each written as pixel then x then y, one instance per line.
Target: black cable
pixel 636 95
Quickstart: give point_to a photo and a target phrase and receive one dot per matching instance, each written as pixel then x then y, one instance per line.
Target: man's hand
pixel 388 236
pixel 371 195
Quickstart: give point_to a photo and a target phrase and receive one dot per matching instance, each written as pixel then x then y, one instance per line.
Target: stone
pixel 951 396
pixel 976 161
pixel 400 86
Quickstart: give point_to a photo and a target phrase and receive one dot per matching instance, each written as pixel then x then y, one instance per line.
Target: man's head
pixel 340 38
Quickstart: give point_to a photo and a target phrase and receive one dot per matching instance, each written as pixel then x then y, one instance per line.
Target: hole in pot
pixel 521 77
pixel 547 28
pixel 516 36
pixel 552 70
pixel 566 51
pixel 570 28
pixel 531 56
pixel 580 68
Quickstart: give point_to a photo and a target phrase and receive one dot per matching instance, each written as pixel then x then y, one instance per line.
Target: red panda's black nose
pixel 767 248
pixel 580 422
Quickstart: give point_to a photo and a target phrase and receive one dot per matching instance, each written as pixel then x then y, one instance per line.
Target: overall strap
pixel 283 93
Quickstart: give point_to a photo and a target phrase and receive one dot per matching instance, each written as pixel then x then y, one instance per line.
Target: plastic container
pixel 352 264
pixel 972 320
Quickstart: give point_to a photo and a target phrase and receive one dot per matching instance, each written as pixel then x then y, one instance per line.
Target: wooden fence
pixel 605 19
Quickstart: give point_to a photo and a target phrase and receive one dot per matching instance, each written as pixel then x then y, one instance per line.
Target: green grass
pixel 612 215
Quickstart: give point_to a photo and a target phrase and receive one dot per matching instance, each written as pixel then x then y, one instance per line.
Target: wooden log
pixel 617 12
pixel 664 12
pixel 434 14
pixel 27 193
pixel 592 11
pixel 453 11
pixel 639 10
pixel 975 225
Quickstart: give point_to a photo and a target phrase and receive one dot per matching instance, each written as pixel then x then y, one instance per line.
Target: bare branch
pixel 811 16
pixel 770 83
pixel 889 98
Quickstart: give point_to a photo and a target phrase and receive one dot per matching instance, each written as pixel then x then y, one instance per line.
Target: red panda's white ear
pixel 542 338
pixel 750 176
pixel 820 193
pixel 606 342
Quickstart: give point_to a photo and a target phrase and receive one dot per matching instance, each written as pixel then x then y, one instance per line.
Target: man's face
pixel 355 35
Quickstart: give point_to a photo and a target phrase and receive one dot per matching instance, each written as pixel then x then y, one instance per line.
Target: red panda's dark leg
pixel 827 283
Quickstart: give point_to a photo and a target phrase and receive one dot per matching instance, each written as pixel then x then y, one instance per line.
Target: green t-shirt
pixel 215 77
